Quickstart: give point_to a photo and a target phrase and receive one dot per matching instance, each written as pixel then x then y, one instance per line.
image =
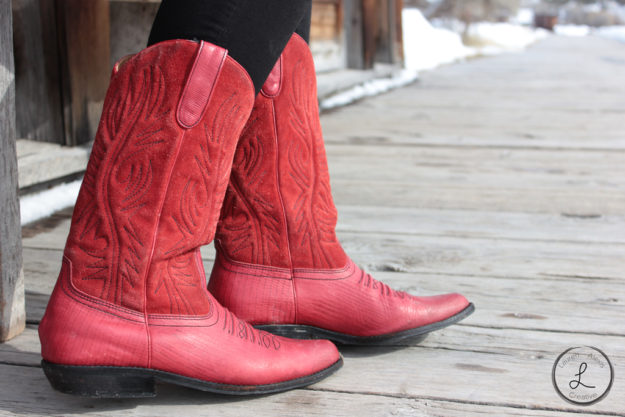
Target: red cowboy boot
pixel 279 264
pixel 131 306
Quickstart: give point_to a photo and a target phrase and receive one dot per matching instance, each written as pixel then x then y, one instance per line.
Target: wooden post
pixel 83 28
pixel 352 14
pixel 382 31
pixel 12 312
pixel 370 28
pixel 37 94
pixel 398 53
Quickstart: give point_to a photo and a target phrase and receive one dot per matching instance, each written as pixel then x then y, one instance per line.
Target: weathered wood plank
pixel 477 256
pixel 540 303
pixel 41 162
pixel 353 33
pixel 546 125
pixel 371 22
pixel 476 377
pixel 536 181
pixel 519 342
pixel 481 224
pixel 41 400
pixel 572 227
pixel 38 96
pixel 48 233
pixel 509 102
pixel 523 343
pixel 392 372
pixel 553 140
pixel 558 304
pixel 583 202
pixel 541 258
pixel 519 168
pixel 12 315
pixel 24 349
pixel 83 29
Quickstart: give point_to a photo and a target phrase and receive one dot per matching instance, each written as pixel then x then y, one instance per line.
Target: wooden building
pixel 64 50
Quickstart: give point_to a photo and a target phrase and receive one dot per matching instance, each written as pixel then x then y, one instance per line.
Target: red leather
pixel 131 291
pixel 279 193
pixel 79 329
pixel 278 258
pixel 272 85
pixel 200 84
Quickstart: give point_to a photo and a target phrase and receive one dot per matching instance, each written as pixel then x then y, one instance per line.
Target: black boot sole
pixel 412 336
pixel 127 382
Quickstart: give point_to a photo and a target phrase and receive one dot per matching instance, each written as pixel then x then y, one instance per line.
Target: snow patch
pixel 367 89
pixel 427 47
pixel 491 38
pixel 572 30
pixel 612 32
pixel 43 204
pixel 525 16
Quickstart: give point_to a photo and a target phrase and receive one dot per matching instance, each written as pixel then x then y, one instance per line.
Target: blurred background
pixel 64 49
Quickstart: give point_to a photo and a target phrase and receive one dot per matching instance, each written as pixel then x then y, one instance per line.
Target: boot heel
pixel 100 381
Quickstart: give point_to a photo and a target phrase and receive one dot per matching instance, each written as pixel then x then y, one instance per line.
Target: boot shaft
pixel 156 177
pixel 278 209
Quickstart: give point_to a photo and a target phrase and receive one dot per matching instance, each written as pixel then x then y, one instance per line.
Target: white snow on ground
pixel 43 204
pixel 525 16
pixel 427 47
pixel 369 88
pixel 571 30
pixel 493 38
pixel 612 32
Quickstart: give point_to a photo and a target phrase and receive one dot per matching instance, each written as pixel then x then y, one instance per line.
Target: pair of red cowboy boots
pixel 130 307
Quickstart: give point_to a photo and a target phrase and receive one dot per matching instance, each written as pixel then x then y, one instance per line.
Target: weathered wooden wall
pixel 84 48
pixel 130 27
pixel 62 68
pixel 326 35
pixel 381 22
pixel 64 49
pixel 12 315
pixel 326 20
pixel 352 21
pixel 38 96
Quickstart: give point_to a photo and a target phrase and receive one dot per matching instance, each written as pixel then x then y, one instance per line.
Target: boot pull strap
pixel 272 85
pixel 200 84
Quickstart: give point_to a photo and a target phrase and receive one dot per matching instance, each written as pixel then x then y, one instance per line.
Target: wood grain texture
pixel 84 47
pixel 353 34
pixel 38 95
pixel 544 305
pixel 457 183
pixel 12 315
pixel 41 400
pixel 40 162
pixel 52 232
pixel 492 376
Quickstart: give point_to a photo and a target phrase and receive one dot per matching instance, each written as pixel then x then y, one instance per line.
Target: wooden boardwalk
pixel 502 178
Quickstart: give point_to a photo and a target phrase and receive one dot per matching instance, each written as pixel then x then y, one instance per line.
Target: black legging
pixel 253 31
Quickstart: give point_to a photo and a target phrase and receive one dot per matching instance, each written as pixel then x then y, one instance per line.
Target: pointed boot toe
pixel 442 307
